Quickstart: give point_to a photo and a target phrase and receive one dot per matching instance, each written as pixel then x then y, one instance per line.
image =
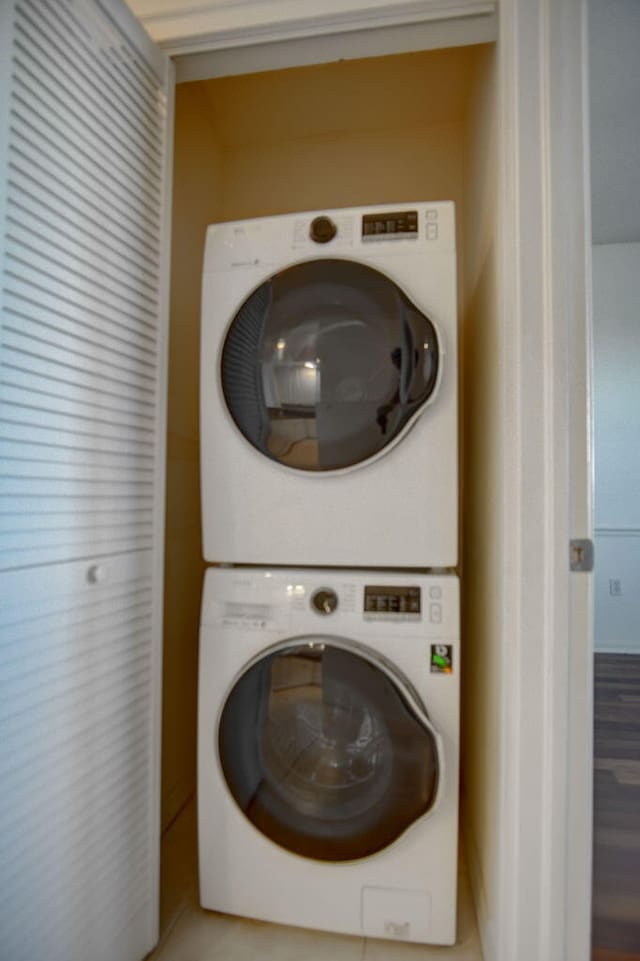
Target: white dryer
pixel 328 746
pixel 329 389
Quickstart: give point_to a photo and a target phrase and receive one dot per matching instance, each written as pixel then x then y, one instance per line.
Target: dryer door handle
pixel 407 360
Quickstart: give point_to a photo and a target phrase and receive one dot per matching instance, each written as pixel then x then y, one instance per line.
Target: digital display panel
pixel 391 600
pixel 387 225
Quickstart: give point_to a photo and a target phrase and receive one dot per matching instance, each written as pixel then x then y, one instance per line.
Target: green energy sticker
pixel 441 659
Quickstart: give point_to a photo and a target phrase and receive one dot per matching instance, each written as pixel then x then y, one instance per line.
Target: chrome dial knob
pixel 322 230
pixel 324 601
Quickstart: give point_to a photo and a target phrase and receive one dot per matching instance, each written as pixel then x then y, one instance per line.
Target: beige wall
pixel 379 93
pixel 358 132
pixel 196 194
pixel 481 360
pixel 343 170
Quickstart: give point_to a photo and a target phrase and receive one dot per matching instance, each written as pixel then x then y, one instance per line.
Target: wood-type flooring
pixel 616 842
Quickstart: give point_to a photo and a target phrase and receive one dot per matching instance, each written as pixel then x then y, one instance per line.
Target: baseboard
pixel 617 647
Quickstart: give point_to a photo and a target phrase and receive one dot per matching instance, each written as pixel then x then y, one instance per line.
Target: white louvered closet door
pixel 85 123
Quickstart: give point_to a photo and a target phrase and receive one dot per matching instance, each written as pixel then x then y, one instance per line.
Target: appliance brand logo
pixel 442 659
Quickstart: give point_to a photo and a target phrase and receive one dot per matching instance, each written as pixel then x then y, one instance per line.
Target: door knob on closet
pixel 96 574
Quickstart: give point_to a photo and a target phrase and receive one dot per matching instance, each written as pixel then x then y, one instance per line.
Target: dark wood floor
pixel 616 848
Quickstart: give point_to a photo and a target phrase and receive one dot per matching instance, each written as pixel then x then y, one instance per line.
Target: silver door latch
pixel 581 555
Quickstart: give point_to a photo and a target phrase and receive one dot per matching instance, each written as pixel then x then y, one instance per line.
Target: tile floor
pixel 192 934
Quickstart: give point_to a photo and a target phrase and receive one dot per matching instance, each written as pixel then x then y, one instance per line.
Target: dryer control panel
pixel 389 224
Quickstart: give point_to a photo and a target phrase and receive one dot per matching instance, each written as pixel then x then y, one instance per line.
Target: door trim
pixel 217 24
pixel 545 901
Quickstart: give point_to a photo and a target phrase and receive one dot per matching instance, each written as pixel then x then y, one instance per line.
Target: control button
pixel 432 231
pixel 324 601
pixel 435 593
pixel 435 613
pixel 322 230
pixel 432 215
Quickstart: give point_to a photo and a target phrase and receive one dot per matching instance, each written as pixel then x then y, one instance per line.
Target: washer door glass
pixel 323 752
pixel 326 363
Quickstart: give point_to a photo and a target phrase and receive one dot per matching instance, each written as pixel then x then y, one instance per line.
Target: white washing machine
pixel 329 389
pixel 328 747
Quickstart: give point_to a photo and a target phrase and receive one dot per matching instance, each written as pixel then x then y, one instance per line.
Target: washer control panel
pixel 292 602
pixel 392 599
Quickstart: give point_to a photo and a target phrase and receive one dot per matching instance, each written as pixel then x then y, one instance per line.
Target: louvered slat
pixel 35 261
pixel 91 254
pixel 70 382
pixel 41 52
pixel 35 340
pixel 85 110
pixel 103 438
pixel 21 392
pixel 56 413
pixel 35 174
pixel 84 222
pixel 126 82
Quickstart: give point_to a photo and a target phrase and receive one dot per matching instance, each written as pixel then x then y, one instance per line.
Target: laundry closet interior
pixel 380 130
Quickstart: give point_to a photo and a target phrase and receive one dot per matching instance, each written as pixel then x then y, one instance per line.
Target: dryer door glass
pixel 323 752
pixel 326 364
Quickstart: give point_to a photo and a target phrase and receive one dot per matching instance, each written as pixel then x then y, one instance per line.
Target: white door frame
pixel 546 866
pixel 544 760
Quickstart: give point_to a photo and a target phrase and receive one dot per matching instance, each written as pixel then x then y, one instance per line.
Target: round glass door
pixel 324 752
pixel 326 363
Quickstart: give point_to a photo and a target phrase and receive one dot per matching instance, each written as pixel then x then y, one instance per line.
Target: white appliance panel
pixel 397 509
pixel 406 891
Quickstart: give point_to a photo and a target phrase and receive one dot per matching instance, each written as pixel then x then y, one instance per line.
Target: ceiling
pixel 614 74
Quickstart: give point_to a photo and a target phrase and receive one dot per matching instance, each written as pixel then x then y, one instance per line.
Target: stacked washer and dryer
pixel 329 678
